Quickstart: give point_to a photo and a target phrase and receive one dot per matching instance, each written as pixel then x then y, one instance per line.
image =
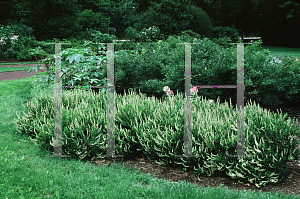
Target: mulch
pixel 19 74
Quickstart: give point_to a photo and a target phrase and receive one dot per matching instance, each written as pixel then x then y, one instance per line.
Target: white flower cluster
pixel 148 33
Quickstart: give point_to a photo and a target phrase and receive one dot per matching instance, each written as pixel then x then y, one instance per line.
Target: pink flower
pixel 194 90
pixel 169 92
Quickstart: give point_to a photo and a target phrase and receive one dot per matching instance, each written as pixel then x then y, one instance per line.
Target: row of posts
pixel 240 148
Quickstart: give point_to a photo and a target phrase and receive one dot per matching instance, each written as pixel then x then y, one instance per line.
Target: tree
pixel 10 11
pixel 200 22
pixel 91 20
pixel 273 18
pixel 59 18
pixel 122 15
pixel 56 18
pixel 172 17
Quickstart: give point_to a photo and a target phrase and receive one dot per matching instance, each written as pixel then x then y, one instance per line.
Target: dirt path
pixel 18 74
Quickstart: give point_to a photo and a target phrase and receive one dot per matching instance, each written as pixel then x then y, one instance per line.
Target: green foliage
pixel 122 15
pixel 172 17
pixel 169 16
pixel 38 53
pixel 10 54
pixel 151 33
pixel 97 36
pixel 80 66
pixel 216 65
pixel 200 21
pixel 16 48
pixel 141 125
pixel 223 41
pixel 52 19
pixel 91 20
pixel 22 47
pixel 61 27
pixel 163 62
pixel 190 33
pixel 278 82
pixel 5 34
pixel 126 45
pixel 131 33
pixel 226 31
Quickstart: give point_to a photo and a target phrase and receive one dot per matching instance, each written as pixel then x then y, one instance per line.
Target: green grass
pixel 283 51
pixel 26 172
pixel 17 63
pixel 11 69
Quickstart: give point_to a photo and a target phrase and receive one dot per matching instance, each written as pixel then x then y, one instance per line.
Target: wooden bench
pixel 248 39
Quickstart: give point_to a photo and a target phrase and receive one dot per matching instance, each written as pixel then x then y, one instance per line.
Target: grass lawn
pixel 26 173
pixel 283 51
pixel 11 69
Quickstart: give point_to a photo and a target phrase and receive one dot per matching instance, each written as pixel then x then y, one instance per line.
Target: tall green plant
pixel 80 66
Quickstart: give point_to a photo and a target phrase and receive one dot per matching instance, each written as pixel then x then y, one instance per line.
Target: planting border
pixel 110 109
pixel 240 102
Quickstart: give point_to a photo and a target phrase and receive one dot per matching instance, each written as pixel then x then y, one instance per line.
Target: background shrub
pixel 123 14
pixel 17 48
pixel 226 31
pixel 154 65
pixel 96 36
pixel 131 34
pixel 149 34
pixel 173 17
pixel 6 44
pixel 10 54
pixel 87 19
pixel 200 21
pixel 212 64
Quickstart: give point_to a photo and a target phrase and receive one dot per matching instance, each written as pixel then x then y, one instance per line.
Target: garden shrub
pixel 10 54
pixel 226 31
pixel 163 62
pixel 149 34
pixel 126 45
pixel 20 49
pixel 23 46
pixel 190 33
pixel 200 22
pixel 216 65
pixel 145 126
pixel 131 34
pixel 97 36
pixel 277 82
pixel 6 45
pixel 224 41
pixel 88 19
pixel 173 17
